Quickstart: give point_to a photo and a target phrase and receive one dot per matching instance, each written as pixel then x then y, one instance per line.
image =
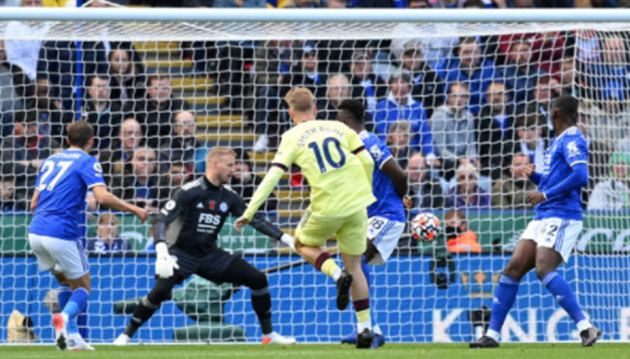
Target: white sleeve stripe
pixel 385 161
pixel 576 162
pixel 96 185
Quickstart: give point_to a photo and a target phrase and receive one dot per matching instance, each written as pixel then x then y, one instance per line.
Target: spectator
pixel 567 76
pixel 400 106
pixel 243 4
pixel 398 141
pixel 271 60
pixel 182 144
pixel 338 90
pixel 9 200
pixel 155 112
pixel 598 151
pixel 127 77
pixel 613 68
pixel 23 54
pixel 107 240
pixel 613 193
pixel 434 50
pixel 9 101
pixel 546 90
pixel 470 67
pixel 425 191
pixel 529 129
pixel 418 4
pixel 510 192
pixel 495 131
pixel 524 4
pixel 365 84
pixel 336 4
pixel 23 153
pixel 467 193
pixel 306 73
pixel 173 178
pixel 52 117
pixel 301 4
pixel 427 85
pixel 140 184
pixel 122 149
pixel 453 128
pixel 519 74
pixel 614 121
pixel 244 181
pixel 459 239
pixel 546 48
pixel 104 114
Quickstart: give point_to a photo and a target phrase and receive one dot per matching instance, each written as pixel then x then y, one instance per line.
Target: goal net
pixel 463 106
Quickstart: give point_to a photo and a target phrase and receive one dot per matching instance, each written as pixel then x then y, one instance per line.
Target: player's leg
pixel 562 236
pixel 71 267
pixel 310 236
pixel 523 260
pixel 352 244
pixel 240 272
pixel 161 292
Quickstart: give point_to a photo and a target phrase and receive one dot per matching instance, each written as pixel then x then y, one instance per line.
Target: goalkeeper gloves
pixel 288 240
pixel 165 263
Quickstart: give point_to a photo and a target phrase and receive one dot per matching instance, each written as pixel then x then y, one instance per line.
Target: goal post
pixel 462 97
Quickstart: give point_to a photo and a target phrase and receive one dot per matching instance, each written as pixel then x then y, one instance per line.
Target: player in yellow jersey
pixel 339 171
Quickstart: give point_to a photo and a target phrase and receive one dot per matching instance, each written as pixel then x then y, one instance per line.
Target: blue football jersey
pixel 388 204
pixel 63 182
pixel 565 151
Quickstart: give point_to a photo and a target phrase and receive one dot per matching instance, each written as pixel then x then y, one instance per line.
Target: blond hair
pixel 219 151
pixel 468 167
pixel 300 99
pixel 108 218
pixel 403 126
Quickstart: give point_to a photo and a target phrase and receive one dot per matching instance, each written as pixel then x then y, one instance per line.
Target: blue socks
pixel 76 304
pixel 63 295
pixel 504 298
pixel 563 294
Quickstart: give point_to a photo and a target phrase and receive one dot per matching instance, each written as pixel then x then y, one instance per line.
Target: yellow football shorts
pixel 350 231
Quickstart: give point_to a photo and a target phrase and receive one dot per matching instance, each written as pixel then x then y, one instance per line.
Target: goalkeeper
pixel 196 215
pixel 339 170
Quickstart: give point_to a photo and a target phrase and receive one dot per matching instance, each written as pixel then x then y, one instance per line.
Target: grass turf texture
pixel 389 351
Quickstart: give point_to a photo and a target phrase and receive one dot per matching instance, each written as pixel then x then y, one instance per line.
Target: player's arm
pixel 92 176
pixel 398 176
pixel 357 147
pixel 171 210
pixel 260 224
pixel 281 163
pixel 165 264
pixel 388 164
pixel 34 201
pixel 107 199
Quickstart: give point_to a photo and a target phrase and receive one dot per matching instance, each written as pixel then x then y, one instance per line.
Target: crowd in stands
pixel 463 116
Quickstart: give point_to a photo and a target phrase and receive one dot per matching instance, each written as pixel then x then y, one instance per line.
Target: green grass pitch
pixel 333 351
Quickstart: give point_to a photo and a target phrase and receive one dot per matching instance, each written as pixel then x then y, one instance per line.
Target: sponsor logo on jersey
pixel 199 205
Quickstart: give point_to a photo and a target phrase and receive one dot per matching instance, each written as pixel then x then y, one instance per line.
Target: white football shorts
pixel 60 255
pixel 384 234
pixel 558 234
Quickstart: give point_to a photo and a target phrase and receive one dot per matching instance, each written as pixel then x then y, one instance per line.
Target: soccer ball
pixel 426 227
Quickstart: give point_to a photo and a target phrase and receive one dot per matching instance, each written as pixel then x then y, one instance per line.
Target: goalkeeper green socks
pixel 327 265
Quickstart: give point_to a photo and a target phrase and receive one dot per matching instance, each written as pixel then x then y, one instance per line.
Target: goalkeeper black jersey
pixel 196 214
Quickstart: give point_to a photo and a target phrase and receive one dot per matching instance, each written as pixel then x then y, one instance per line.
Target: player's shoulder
pixel 573 136
pixel 192 186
